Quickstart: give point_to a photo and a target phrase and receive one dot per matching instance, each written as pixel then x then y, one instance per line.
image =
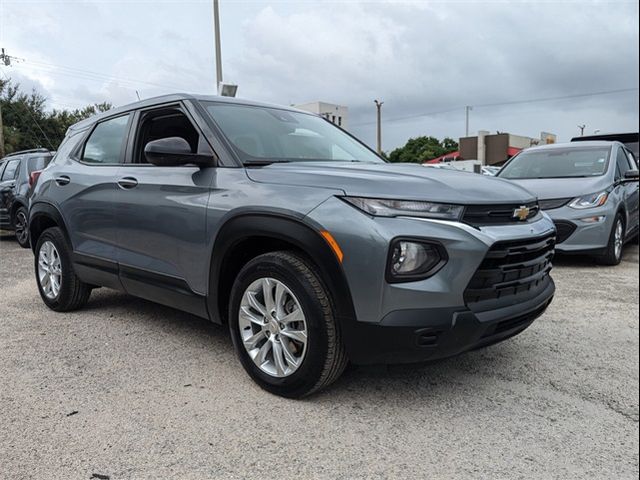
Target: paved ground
pixel 129 389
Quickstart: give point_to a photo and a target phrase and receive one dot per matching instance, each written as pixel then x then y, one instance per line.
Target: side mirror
pixel 631 176
pixel 173 152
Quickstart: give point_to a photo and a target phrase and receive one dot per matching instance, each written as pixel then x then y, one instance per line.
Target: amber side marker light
pixel 333 244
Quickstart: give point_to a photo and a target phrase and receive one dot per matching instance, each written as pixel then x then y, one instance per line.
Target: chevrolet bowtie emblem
pixel 521 213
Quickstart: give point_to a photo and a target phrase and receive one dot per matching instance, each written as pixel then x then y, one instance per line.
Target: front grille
pixel 479 215
pixel 564 230
pixel 509 271
pixel 553 203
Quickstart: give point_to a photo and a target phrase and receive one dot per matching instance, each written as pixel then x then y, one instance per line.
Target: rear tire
pixel 21 227
pixel 60 288
pixel 309 365
pixel 613 253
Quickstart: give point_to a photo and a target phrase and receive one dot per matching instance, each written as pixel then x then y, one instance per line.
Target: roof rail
pixel 22 152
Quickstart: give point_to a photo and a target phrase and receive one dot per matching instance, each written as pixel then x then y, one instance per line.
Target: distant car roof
pixel 552 146
pixel 174 97
pixel 612 137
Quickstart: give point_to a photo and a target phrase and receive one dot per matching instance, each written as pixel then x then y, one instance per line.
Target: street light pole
pixel 216 28
pixel 379 130
pixel 582 127
pixel 467 109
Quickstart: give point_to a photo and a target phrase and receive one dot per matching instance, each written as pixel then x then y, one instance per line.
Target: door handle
pixel 127 183
pixel 62 180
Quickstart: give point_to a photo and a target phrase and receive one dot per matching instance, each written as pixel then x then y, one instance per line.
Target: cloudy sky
pixel 525 67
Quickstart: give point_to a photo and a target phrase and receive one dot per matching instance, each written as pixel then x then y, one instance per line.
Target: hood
pixel 551 188
pixel 394 180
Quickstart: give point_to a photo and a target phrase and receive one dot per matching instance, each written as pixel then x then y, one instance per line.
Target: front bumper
pixel 438 316
pixel 422 335
pixel 583 236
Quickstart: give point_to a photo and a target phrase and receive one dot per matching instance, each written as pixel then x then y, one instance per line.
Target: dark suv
pixel 18 171
pixel 273 221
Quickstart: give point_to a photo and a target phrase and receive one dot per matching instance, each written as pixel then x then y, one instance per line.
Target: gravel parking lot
pixel 129 389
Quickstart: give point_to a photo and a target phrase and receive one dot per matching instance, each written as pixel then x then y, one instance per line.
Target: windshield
pixel 558 163
pixel 262 134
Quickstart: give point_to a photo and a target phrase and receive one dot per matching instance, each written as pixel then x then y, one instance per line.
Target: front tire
pixel 60 288
pixel 21 227
pixel 613 253
pixel 283 325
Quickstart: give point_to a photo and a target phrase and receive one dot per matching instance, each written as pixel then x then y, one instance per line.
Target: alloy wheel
pixel 49 270
pixel 618 239
pixel 273 327
pixel 22 233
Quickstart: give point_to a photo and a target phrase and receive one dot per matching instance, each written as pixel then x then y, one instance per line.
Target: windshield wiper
pixel 264 161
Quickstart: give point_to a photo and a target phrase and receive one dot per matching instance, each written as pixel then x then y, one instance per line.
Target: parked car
pixel 630 140
pixel 17 171
pixel 590 190
pixel 308 245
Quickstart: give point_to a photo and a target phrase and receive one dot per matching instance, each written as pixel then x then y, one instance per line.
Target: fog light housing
pixel 594 219
pixel 413 259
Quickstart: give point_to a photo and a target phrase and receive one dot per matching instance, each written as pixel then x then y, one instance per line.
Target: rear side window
pixel 38 163
pixel 106 142
pixel 11 170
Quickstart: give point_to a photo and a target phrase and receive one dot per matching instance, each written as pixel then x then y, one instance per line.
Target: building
pixel 336 114
pixel 495 149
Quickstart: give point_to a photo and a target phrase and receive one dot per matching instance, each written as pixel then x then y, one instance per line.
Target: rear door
pixel 161 214
pixel 8 188
pixel 84 187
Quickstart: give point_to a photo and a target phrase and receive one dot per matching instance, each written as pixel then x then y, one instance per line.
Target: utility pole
pixel 467 109
pixel 6 61
pixel 582 127
pixel 379 130
pixel 216 32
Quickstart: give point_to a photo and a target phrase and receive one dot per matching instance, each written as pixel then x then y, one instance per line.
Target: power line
pixel 499 104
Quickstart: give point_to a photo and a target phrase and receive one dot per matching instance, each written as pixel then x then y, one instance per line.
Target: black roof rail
pixel 22 152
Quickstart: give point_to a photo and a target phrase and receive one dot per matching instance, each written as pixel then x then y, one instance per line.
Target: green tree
pixel 420 149
pixel 28 124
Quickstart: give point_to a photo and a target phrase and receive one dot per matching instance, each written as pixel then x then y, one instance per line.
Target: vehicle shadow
pixel 8 237
pixel 214 343
pixel 629 254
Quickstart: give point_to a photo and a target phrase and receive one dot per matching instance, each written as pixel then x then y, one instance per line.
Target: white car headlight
pixel 590 201
pixel 406 208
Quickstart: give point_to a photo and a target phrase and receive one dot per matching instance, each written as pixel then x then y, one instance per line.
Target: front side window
pixel 105 144
pixel 259 134
pixel 622 163
pixel 558 163
pixel 165 123
pixel 11 170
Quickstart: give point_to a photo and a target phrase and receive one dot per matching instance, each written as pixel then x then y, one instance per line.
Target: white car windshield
pixel 558 163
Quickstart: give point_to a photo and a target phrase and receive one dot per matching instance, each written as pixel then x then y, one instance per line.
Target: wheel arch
pixel 15 205
pixel 42 216
pixel 246 236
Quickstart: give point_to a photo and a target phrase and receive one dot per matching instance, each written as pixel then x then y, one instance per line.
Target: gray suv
pixel 590 190
pixel 310 247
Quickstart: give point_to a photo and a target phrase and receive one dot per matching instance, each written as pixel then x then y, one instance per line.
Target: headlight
pixel 590 201
pixel 405 208
pixel 414 259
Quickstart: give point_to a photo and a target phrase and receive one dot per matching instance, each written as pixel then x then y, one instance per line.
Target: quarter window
pixel 105 144
pixel 622 163
pixel 11 170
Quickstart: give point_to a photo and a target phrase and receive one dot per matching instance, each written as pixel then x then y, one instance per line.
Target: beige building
pixel 336 114
pixel 495 149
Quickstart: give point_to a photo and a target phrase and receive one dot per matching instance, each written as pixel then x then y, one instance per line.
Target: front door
pixel 161 216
